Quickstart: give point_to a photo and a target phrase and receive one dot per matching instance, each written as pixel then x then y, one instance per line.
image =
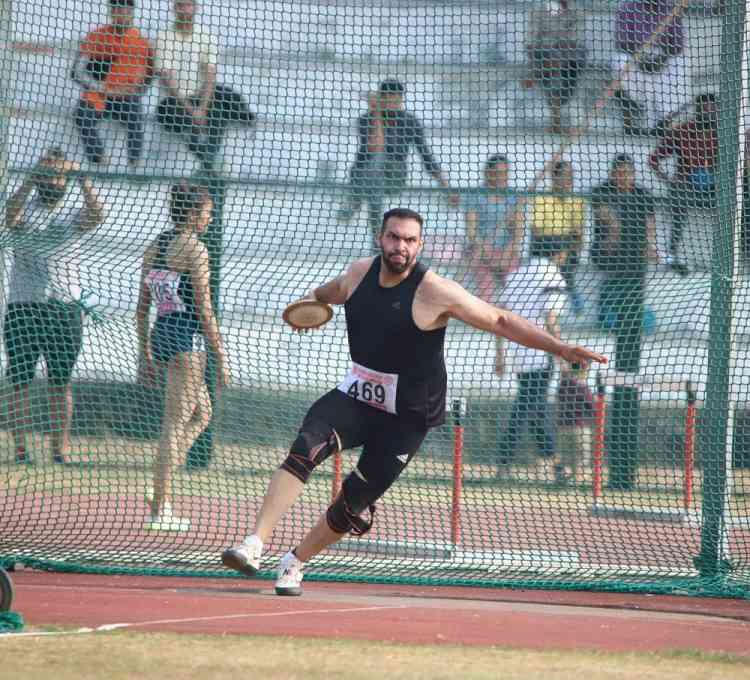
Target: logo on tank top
pixel 396 305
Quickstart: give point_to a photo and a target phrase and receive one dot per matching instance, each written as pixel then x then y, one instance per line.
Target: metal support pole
pixel 717 436
pixel 6 11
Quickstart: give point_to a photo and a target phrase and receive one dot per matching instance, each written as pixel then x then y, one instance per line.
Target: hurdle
pixel 682 515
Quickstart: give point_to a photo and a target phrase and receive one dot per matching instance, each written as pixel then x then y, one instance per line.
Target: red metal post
pixel 600 412
pixel 458 451
pixel 690 420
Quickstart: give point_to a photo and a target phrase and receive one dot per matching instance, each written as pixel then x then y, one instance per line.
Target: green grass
pixel 121 655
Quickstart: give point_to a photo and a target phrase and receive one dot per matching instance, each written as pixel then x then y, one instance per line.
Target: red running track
pixel 420 615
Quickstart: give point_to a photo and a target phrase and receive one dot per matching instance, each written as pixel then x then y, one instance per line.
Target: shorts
pixel 174 334
pixel 389 442
pixel 53 330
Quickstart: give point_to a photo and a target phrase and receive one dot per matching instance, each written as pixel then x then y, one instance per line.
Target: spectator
pixel 41 319
pixel 557 227
pixel 625 242
pixel 556 54
pixel 536 290
pixel 657 83
pixel 386 134
pixel 195 105
pixel 114 66
pixel 494 229
pixel 575 416
pixel 693 185
pixel 626 215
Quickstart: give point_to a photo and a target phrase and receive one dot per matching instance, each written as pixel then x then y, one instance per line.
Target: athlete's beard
pixel 396 267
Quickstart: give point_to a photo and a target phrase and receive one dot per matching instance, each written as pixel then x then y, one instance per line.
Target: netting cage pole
pixel 6 9
pixel 721 391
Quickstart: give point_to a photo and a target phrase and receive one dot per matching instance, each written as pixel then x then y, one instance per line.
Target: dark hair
pixel 54 153
pixel 404 214
pixel 621 159
pixel 122 3
pixel 706 98
pixel 391 86
pixel 185 199
pixel 494 160
pixel 559 167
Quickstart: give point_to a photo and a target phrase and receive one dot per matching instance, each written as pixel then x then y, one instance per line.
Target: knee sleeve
pixel 315 442
pixel 355 497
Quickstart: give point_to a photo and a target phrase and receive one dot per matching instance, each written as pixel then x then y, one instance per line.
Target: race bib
pixel 164 285
pixel 371 387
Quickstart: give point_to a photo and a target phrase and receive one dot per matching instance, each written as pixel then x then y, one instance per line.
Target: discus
pixel 6 591
pixel 307 314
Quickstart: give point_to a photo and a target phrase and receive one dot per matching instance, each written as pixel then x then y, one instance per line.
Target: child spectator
pixel 575 416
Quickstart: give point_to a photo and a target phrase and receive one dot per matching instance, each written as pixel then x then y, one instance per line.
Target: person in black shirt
pixel 396 315
pixel 386 134
pixel 624 244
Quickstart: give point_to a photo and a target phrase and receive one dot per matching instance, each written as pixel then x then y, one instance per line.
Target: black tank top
pixel 172 291
pixel 383 337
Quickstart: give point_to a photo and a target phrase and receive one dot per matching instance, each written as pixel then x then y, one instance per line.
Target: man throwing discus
pixel 395 391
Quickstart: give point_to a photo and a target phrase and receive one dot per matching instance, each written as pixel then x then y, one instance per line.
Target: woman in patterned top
pixel 175 277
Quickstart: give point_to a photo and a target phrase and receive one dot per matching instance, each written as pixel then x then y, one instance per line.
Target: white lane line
pixel 223 617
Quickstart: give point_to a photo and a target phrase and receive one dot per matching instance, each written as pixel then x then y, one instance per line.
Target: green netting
pixel 574 146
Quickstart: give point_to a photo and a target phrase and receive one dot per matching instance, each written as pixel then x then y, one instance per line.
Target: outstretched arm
pixel 458 303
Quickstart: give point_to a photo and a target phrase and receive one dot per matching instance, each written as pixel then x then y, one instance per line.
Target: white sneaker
pixel 245 557
pixel 166 521
pixel 289 575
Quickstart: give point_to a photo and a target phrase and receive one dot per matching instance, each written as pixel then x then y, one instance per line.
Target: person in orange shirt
pixel 114 66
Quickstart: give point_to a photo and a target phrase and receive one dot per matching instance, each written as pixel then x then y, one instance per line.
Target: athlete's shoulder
pixel 443 297
pixel 192 242
pixel 187 247
pixel 361 266
pixel 354 275
pixel 434 285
